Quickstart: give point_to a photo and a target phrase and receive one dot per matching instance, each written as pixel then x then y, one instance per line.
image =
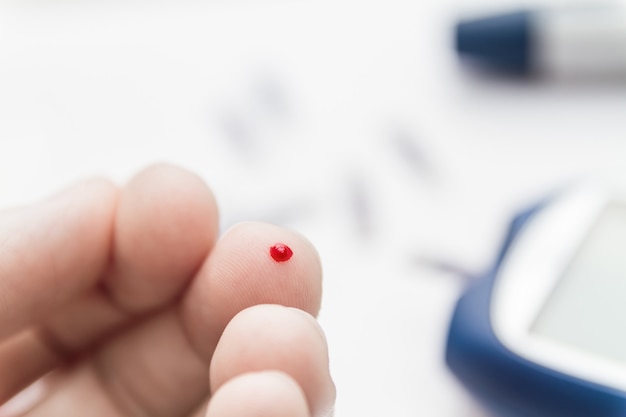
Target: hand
pixel 128 303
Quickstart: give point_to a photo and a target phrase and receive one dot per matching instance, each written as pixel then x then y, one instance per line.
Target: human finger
pixel 165 226
pixel 272 337
pixel 53 251
pixel 241 272
pixel 259 394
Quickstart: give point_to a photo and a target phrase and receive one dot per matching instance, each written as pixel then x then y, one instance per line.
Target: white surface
pixel 332 93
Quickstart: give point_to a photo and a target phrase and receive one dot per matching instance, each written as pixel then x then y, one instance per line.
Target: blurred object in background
pixel 410 150
pixel 541 333
pixel 563 43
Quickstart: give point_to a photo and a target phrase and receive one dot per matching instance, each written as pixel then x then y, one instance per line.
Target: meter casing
pixel 504 381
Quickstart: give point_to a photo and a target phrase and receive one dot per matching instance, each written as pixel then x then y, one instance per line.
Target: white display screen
pixel 587 307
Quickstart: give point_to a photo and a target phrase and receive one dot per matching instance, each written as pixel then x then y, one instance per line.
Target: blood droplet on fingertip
pixel 281 252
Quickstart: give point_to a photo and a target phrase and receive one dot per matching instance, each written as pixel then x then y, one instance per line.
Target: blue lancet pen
pixel 582 42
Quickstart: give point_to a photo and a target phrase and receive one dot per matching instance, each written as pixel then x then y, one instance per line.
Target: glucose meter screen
pixel 587 308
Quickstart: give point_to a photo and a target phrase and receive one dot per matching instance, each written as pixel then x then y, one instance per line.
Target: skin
pixel 125 302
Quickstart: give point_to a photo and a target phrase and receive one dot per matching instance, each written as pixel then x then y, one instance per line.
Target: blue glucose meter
pixel 543 333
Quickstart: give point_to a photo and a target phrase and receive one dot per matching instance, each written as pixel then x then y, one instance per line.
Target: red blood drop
pixel 281 252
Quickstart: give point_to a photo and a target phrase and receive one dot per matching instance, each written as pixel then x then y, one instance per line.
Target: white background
pixel 350 121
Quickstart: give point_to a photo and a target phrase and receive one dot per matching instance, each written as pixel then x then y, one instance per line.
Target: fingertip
pixel 54 250
pixel 166 223
pixel 272 337
pixel 241 272
pixel 91 204
pixel 249 267
pixel 259 394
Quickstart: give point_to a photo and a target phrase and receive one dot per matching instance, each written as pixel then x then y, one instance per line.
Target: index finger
pixel 53 251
